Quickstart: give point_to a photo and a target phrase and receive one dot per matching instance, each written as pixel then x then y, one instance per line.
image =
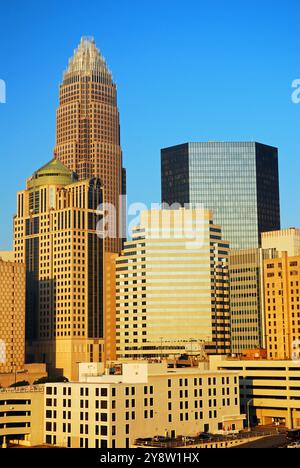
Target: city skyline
pixel 150 278
pixel 218 111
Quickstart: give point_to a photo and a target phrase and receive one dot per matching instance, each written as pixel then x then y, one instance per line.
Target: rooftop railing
pixel 29 389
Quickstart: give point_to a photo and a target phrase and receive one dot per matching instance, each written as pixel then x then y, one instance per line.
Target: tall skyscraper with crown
pixel 88 129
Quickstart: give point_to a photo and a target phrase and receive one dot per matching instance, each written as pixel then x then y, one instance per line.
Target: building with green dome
pixel 56 236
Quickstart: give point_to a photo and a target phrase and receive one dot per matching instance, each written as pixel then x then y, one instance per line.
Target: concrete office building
pixel 238 181
pixel 88 128
pixel 55 235
pixel 269 389
pixel 173 287
pixel 142 399
pixel 12 317
pixel 282 306
pixel 247 308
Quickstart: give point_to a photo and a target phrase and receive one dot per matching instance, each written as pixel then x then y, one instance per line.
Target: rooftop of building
pixel 236 362
pixel 138 372
pixel 281 232
pixel 249 144
pixel 52 173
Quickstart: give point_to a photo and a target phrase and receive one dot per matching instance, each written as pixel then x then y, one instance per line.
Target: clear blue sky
pixel 186 70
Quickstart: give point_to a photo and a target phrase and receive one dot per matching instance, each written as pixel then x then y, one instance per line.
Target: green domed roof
pixel 52 173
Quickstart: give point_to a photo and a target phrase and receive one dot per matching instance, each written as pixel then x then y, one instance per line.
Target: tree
pixel 45 380
pixel 23 383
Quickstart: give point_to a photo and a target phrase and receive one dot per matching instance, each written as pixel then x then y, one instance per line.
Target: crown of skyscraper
pixel 87 58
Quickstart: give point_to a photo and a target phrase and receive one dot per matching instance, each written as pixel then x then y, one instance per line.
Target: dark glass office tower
pixel 239 181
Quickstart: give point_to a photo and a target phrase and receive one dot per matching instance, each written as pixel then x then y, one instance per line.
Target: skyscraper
pixel 237 180
pixel 88 128
pixel 173 287
pixel 55 235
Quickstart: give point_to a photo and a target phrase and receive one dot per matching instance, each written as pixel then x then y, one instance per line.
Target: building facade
pixel 55 235
pixel 247 308
pixel 110 306
pixel 282 306
pixel 12 316
pixel 172 287
pixel 238 181
pixel 22 416
pixel 143 400
pixel 285 240
pixel 269 389
pixel 88 129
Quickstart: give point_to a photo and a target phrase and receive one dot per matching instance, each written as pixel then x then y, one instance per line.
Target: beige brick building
pixel 55 235
pixel 142 399
pixel 282 306
pixel 12 316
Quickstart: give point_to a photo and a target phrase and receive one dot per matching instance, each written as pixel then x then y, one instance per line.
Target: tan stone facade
pixel 55 234
pixel 88 128
pixel 282 306
pixel 12 316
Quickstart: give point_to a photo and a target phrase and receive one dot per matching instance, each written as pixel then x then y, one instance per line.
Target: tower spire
pixel 87 58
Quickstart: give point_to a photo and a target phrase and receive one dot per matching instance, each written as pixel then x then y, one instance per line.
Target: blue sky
pixel 192 70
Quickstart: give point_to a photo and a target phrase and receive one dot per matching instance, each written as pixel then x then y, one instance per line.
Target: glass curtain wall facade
pixel 238 180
